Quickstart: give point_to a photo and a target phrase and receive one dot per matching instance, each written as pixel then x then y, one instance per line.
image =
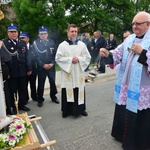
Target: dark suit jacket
pixel 46 54
pixel 99 43
pixel 34 58
pixel 111 44
pixel 21 62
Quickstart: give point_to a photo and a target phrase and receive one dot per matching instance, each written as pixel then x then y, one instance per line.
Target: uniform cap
pixel 24 34
pixel 12 27
pixel 43 29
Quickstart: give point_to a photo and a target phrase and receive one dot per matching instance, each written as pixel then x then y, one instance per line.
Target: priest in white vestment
pixel 73 58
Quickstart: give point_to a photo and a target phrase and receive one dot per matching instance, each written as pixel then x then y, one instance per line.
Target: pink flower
pixel 12 122
pixel 16 118
pixel 11 137
pixel 18 127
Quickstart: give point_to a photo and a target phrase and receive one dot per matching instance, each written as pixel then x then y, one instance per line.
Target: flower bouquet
pixel 13 133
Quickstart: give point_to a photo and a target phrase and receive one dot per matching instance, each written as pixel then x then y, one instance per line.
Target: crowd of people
pixel 94 43
pixel 23 63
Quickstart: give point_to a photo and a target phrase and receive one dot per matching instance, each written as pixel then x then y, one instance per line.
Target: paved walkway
pixel 109 72
pixel 81 133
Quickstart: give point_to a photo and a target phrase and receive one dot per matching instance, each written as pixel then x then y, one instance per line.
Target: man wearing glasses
pixel 46 49
pixel 131 124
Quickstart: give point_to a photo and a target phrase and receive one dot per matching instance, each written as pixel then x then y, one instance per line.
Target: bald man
pixel 131 123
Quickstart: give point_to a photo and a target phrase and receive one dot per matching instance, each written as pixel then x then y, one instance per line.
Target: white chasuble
pixel 72 75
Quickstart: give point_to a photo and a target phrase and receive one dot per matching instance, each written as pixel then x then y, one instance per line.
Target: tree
pixel 30 18
pixel 109 16
pixel 141 5
pixel 105 15
pixel 40 12
pixel 5 21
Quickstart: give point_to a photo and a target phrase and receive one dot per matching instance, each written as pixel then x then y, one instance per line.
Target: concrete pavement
pixel 109 72
pixel 81 133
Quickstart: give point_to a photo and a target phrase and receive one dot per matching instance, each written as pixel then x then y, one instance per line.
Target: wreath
pixel 13 133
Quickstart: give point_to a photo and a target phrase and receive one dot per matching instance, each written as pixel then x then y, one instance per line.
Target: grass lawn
pixel 57 67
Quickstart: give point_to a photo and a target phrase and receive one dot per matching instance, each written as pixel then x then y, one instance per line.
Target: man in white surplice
pixel 73 58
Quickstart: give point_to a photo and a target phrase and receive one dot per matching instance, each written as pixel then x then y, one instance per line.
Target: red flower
pixel 11 137
pixel 18 127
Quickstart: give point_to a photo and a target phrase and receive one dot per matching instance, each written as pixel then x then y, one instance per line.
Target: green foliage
pixel 109 16
pixel 142 5
pixel 57 67
pixel 4 22
pixel 30 18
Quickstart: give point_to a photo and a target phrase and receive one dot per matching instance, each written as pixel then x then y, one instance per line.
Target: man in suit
pixel 98 42
pixel 31 78
pixel 87 42
pixel 111 42
pixel 20 67
pixel 46 49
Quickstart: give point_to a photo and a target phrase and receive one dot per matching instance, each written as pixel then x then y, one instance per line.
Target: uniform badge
pixel 9 41
pixel 51 50
pixel 12 48
pixel 23 50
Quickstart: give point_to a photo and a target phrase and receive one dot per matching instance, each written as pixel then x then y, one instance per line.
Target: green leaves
pixel 109 16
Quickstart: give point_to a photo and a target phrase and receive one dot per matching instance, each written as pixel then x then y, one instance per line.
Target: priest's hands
pixel 104 52
pixel 136 48
pixel 75 60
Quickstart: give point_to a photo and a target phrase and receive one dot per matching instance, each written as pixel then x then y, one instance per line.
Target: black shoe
pixel 24 108
pixel 40 104
pixel 56 101
pixel 64 116
pixel 85 114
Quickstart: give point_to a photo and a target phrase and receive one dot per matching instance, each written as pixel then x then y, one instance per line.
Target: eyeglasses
pixel 138 23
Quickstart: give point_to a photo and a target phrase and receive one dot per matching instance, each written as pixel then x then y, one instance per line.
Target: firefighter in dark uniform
pixel 46 49
pixel 33 54
pixel 20 67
